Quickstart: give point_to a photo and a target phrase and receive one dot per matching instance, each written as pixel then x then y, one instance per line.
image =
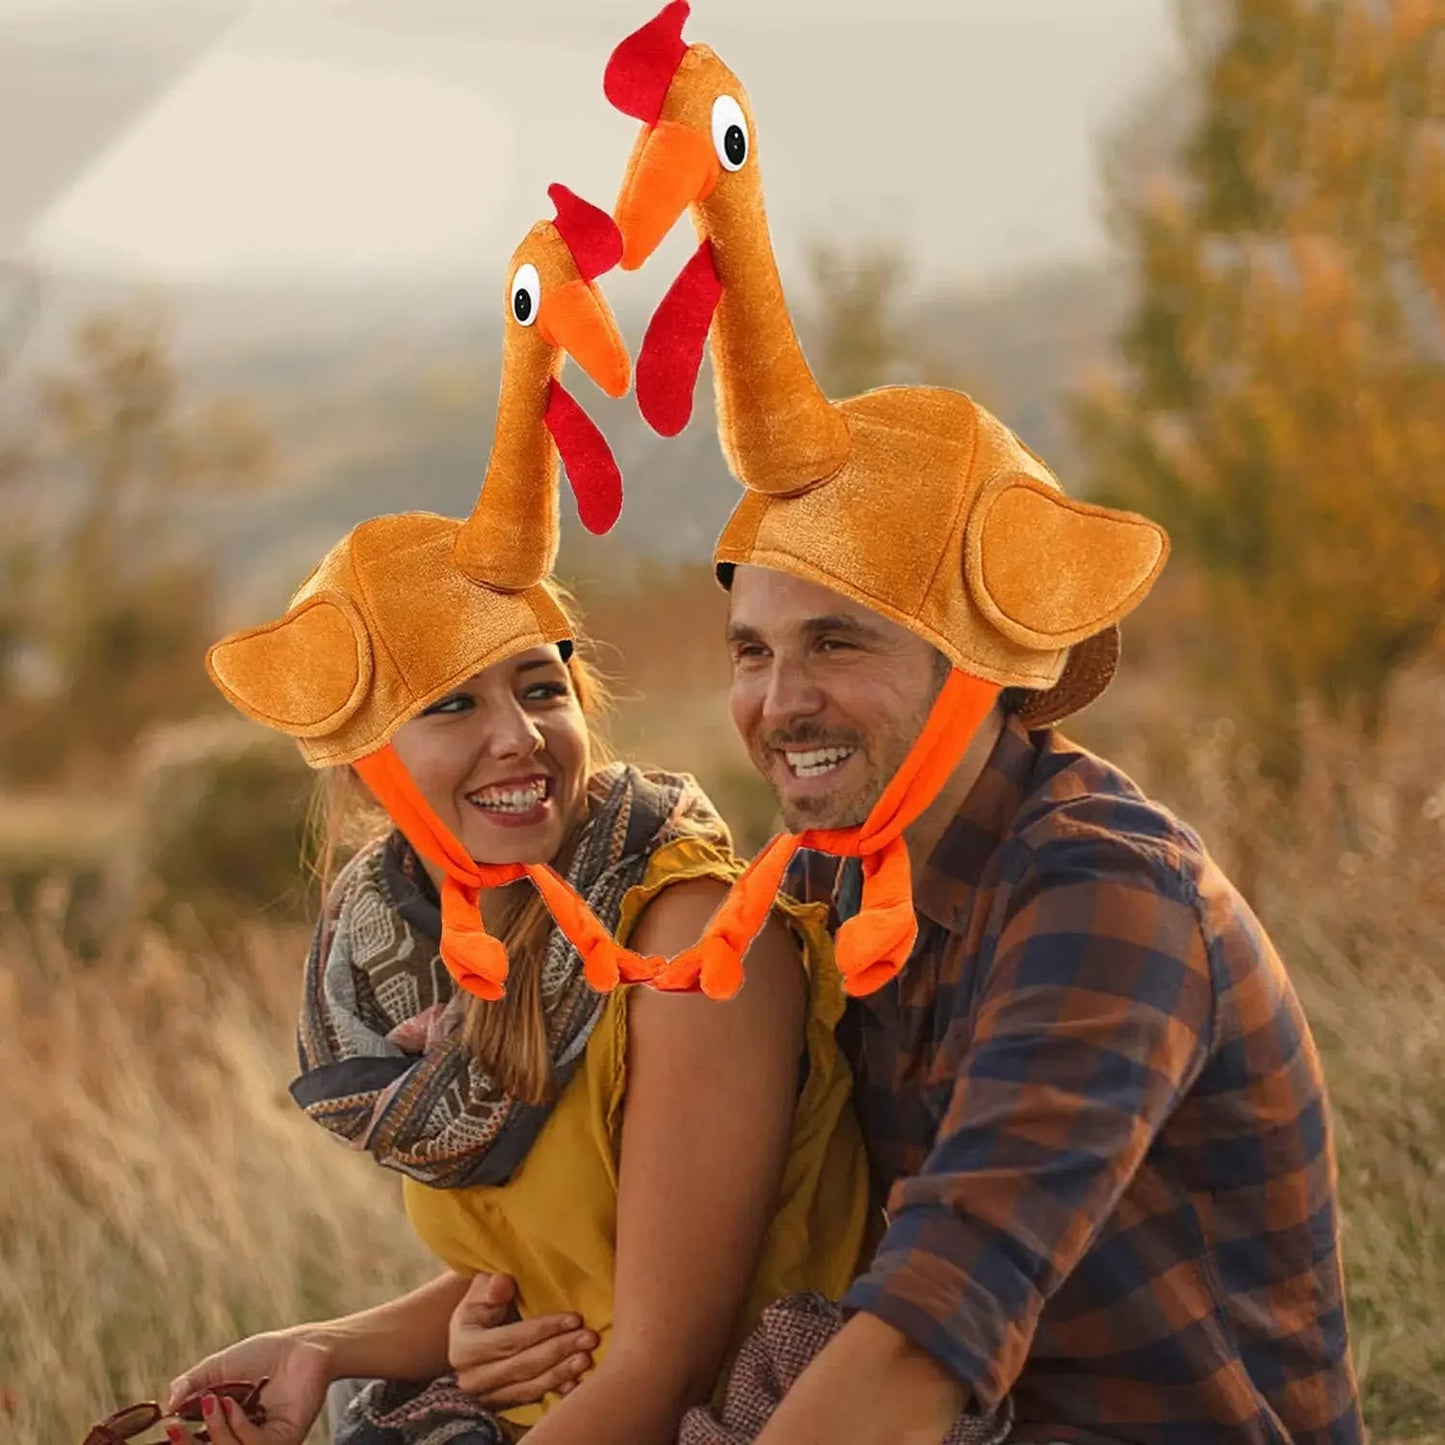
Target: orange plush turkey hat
pixel 406 607
pixel 913 501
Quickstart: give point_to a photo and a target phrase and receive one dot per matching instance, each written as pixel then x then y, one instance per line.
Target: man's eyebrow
pixel 841 622
pixel 741 632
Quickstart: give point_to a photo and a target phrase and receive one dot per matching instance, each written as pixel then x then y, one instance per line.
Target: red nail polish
pixel 208 1405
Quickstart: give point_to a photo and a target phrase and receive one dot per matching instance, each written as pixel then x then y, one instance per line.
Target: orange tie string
pixel 476 960
pixel 871 947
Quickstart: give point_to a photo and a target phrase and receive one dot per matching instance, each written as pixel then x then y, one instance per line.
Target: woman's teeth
pixel 817 761
pixel 510 800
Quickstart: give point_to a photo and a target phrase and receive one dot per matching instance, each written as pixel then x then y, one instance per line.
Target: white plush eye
pixel 526 294
pixel 729 132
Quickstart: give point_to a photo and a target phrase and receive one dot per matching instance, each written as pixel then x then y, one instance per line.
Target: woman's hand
pixel 299 1371
pixel 505 1361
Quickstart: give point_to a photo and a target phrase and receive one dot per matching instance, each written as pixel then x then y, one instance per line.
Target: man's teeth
pixel 510 800
pixel 817 761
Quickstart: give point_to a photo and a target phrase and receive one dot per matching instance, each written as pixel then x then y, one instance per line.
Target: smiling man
pixel 1090 1098
pixel 1088 1090
pixel 828 697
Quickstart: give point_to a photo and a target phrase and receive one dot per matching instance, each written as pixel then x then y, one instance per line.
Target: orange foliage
pixel 1283 411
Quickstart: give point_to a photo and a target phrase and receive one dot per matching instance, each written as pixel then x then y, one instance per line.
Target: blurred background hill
pixel 378 400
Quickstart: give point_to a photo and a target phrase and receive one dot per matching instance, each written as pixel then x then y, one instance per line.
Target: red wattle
pixel 591 467
pixel 671 355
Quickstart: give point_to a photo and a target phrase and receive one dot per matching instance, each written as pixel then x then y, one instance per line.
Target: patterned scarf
pixel 384 1061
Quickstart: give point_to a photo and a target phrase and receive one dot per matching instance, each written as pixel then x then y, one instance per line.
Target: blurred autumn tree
pixel 856 336
pixel 17 551
pixel 1282 404
pixel 104 616
pixel 17 558
pixel 860 329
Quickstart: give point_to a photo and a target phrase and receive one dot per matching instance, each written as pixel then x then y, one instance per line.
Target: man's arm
pixel 871 1386
pixel 1093 1019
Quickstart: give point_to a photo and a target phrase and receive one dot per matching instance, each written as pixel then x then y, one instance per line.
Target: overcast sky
pixel 218 140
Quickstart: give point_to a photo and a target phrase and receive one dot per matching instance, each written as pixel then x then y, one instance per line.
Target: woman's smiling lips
pixel 519 802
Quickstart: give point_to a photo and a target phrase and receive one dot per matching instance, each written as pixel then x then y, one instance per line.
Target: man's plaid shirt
pixel 1094 1107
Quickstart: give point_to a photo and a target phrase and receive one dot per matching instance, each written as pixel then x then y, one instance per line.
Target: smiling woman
pixel 464 1019
pixel 558 705
pixel 503 760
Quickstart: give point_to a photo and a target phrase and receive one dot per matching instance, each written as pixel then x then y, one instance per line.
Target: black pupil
pixel 735 143
pixel 521 305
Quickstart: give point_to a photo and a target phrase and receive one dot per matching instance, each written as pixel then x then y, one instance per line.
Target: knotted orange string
pixel 476 960
pixel 872 946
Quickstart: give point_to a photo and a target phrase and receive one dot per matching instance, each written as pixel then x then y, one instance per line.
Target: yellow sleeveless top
pixel 553 1225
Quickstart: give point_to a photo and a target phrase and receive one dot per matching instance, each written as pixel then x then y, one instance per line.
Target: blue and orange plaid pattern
pixel 1093 1104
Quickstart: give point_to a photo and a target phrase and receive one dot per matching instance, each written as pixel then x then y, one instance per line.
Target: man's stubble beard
pixel 798 819
pixel 828 813
pixel 825 813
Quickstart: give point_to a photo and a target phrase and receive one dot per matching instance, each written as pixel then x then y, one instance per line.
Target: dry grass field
pixel 160 1194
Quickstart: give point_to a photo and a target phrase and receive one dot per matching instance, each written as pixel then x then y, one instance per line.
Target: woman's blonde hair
pixel 509 1037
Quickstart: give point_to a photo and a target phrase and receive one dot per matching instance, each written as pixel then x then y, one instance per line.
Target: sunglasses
pixel 123 1426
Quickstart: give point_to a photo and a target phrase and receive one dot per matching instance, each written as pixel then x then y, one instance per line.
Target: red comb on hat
pixel 642 67
pixel 590 233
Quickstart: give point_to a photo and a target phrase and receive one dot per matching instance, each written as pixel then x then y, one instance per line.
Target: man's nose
pixel 791 694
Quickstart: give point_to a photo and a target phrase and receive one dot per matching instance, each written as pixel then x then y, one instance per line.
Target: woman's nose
pixel 512 733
